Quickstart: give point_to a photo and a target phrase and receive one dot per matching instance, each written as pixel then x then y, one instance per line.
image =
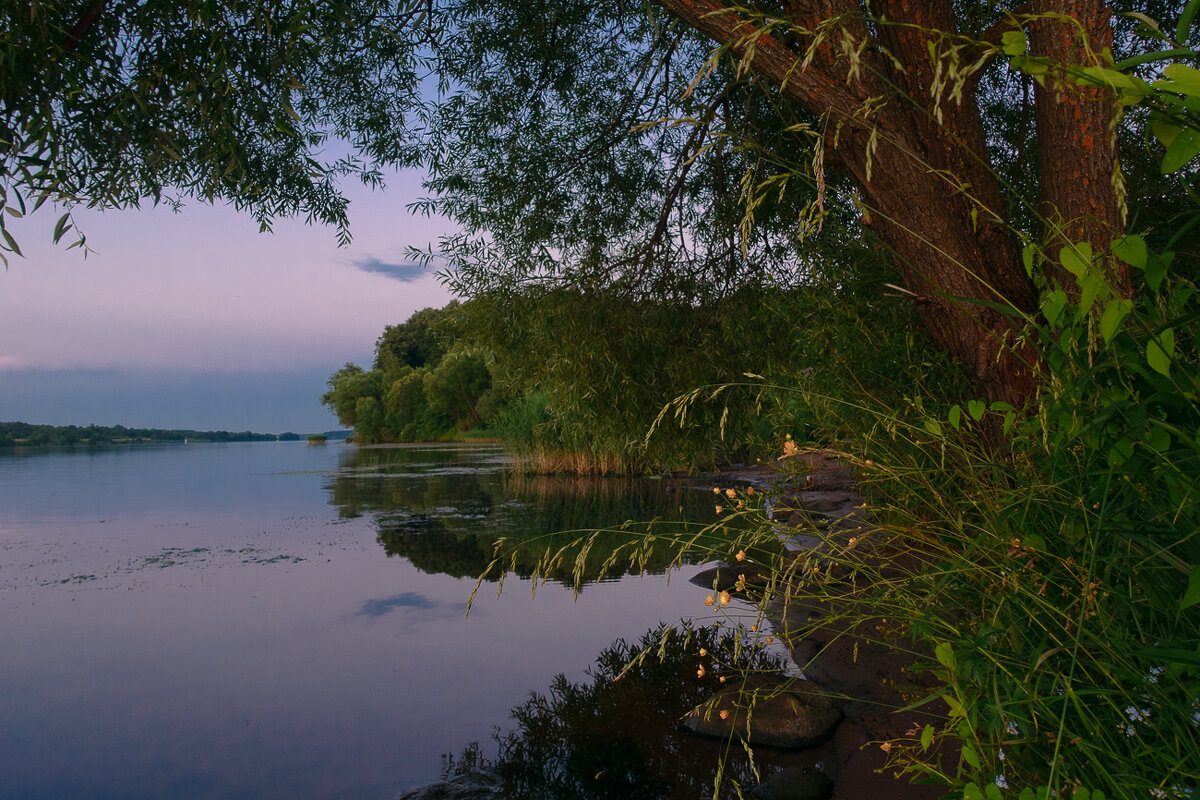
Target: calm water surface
pixel 276 620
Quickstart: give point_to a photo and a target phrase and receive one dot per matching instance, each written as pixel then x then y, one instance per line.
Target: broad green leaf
pixel 1192 595
pixel 1114 314
pixel 993 792
pixel 945 655
pixel 1159 352
pixel 927 731
pixel 1181 151
pixel 1120 452
pixel 972 792
pixel 1033 65
pixel 1076 259
pixel 1053 305
pixel 1081 793
pixel 955 416
pixel 1164 129
pixel 1028 252
pixel 1013 43
pixel 1104 76
pixel 976 409
pixel 1184 79
pixel 970 756
pixel 933 426
pixel 1131 249
pixel 1156 268
pixel 1158 439
pixel 1184 26
pixel 1091 286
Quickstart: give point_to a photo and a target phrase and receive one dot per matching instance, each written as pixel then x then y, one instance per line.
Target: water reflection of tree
pixel 621 737
pixel 444 511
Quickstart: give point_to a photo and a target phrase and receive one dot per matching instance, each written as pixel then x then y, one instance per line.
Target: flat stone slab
pixel 724 577
pixel 768 712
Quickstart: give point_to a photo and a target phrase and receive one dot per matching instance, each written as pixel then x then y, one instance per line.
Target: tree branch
pixel 86 20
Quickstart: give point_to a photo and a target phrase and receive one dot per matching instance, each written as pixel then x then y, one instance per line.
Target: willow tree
pixel 602 143
pixel 895 83
pixel 110 103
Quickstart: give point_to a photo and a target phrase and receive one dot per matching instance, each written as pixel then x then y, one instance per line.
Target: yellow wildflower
pixel 720 509
pixel 703 652
pixel 708 600
pixel 731 493
pixel 741 555
pixel 700 673
pixel 750 491
pixel 724 713
pixel 716 490
pixel 725 598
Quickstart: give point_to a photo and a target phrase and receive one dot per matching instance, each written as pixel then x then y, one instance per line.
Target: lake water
pixel 278 620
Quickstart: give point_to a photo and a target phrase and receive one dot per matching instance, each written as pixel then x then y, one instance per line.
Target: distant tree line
pixel 12 433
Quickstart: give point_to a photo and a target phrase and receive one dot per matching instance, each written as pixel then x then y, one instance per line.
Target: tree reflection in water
pixel 619 735
pixel 443 508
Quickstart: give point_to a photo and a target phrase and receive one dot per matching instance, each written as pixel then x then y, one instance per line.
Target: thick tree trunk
pixel 919 159
pixel 1077 145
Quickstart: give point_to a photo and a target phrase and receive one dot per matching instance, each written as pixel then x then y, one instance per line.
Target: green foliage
pixel 420 388
pixel 420 341
pixel 1051 587
pixel 346 386
pixel 600 150
pixel 109 104
pixel 590 372
pixel 455 386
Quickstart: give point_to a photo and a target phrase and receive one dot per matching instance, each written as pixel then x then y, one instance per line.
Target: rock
pixel 784 713
pixel 724 577
pixel 794 783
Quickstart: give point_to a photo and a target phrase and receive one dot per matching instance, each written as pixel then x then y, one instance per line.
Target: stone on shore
pixel 725 577
pixel 769 712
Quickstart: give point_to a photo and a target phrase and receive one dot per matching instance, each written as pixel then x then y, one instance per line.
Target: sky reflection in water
pixel 246 620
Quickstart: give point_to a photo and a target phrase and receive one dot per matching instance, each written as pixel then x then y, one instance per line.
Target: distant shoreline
pixel 13 434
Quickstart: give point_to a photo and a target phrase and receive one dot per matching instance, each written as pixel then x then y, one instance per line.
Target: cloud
pixel 11 362
pixel 405 273
pixel 378 607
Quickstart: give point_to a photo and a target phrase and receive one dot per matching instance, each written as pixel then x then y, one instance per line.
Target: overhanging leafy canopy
pixel 109 103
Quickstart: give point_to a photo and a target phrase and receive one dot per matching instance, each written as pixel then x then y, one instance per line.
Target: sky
pixel 196 320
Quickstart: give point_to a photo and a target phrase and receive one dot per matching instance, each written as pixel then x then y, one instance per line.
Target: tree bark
pixel 919 159
pixel 1077 145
